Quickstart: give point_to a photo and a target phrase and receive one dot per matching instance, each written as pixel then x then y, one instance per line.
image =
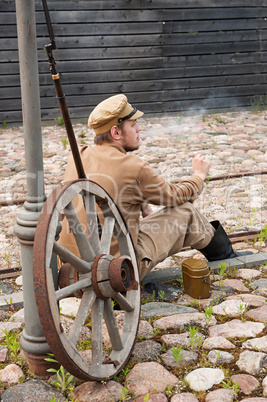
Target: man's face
pixel 130 135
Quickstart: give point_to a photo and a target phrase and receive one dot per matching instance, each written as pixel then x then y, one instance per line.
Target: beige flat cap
pixel 112 112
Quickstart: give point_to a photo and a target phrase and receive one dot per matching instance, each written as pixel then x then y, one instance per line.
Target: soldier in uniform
pixel 134 185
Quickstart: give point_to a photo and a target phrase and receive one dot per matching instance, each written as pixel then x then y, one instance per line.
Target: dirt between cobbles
pixel 234 143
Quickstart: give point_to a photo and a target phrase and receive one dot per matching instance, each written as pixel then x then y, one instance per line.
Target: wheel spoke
pixel 85 248
pixel 85 305
pixel 107 234
pixel 92 221
pixel 67 256
pixel 123 302
pixel 123 244
pixel 97 346
pixel 112 326
pixel 74 287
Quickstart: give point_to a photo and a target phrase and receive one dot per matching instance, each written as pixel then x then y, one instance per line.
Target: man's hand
pixel 201 166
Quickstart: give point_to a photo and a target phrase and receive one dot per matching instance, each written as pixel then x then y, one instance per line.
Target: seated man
pixel 133 185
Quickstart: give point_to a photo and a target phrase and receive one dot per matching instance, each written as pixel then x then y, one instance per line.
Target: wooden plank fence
pixel 166 55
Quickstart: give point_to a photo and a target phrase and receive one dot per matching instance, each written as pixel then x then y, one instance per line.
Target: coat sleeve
pixel 155 190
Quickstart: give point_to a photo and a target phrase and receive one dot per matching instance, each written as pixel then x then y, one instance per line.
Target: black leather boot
pixel 220 247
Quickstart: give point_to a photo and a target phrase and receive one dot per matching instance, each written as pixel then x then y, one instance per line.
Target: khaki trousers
pixel 166 231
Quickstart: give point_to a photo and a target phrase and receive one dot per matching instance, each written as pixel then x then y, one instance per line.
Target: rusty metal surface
pixel 14 201
pixel 109 361
pixel 38 365
pixel 229 176
pixel 94 277
pixel 215 178
pixel 246 233
pixel 234 237
pixel 236 175
pixel 10 273
pixel 242 238
pixel 121 275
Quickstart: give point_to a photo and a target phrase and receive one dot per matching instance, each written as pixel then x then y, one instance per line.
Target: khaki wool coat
pixel 131 182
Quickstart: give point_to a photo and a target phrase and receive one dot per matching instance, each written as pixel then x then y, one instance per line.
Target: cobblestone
pixel 234 143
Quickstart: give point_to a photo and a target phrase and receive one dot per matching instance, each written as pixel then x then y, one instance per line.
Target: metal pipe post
pixel 33 341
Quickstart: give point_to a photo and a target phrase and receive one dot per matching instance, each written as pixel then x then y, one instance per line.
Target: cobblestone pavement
pixel 234 143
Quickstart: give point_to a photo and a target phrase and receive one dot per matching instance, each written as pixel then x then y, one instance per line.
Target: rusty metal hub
pixel 112 275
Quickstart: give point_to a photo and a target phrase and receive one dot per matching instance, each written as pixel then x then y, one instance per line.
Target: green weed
pixel 228 384
pixel 232 272
pixel 64 141
pixel 252 216
pixel 168 391
pixel 242 309
pixel 263 234
pixel 59 120
pixel 12 343
pixel 82 134
pixel 84 344
pixel 179 282
pixel 222 273
pixel 64 378
pixel 161 295
pixel 176 352
pixel 208 314
pixel 7 259
pixel 123 373
pixel 194 303
pixel 124 394
pixel 258 103
pixel 194 341
pixel 10 304
pixel 220 120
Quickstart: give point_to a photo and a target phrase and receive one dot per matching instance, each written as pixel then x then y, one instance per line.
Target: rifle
pixel 61 97
pixel 65 114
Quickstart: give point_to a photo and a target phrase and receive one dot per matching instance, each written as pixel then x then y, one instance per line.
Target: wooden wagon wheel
pixel 101 280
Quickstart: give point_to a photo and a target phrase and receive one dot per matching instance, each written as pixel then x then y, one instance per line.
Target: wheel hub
pixel 112 275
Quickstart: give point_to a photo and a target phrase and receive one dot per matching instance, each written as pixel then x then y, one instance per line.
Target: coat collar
pixel 114 145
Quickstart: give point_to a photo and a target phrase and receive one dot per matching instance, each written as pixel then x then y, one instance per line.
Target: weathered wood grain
pixel 166 55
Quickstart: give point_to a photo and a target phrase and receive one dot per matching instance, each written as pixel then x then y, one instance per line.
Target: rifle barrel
pixel 61 97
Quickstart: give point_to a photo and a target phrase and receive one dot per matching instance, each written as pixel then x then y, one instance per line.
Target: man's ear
pixel 115 133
